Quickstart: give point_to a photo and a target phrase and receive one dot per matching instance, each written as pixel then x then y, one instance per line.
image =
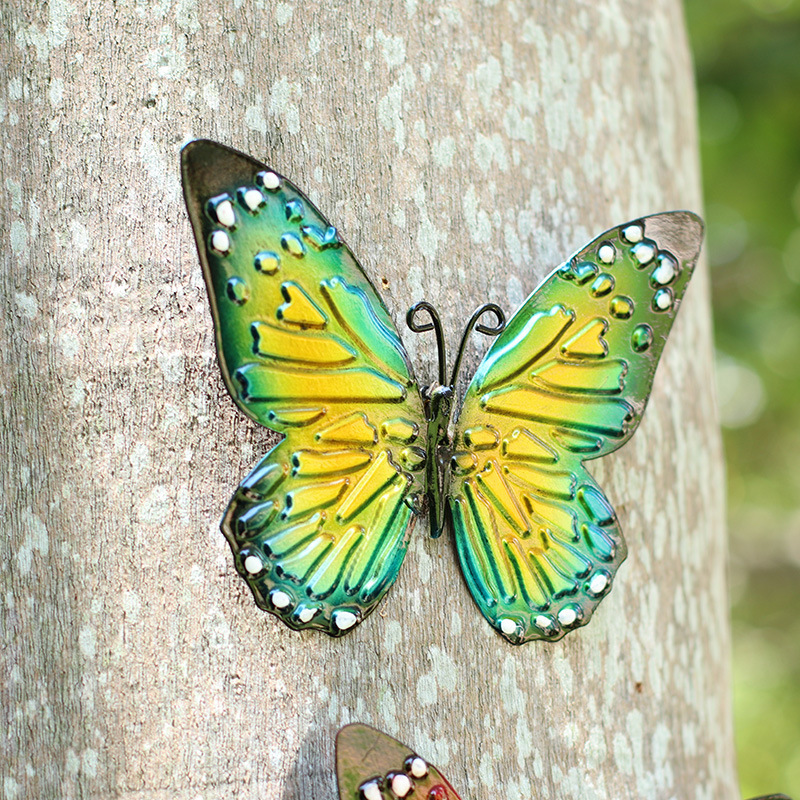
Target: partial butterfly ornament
pixel 306 346
pixel 373 766
pixel 370 765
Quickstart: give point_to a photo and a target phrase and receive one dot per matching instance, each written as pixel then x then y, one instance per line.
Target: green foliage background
pixel 747 54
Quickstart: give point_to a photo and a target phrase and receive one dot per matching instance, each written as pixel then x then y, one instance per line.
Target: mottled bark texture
pixel 463 149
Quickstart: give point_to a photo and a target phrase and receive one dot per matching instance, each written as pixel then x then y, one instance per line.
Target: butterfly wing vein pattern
pixel 306 347
pixel 320 526
pixel 567 381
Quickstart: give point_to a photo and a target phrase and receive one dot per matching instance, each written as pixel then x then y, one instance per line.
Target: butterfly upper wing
pixel 373 766
pixel 566 381
pixel 307 348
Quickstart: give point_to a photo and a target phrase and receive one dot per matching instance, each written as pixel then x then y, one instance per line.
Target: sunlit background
pixel 747 54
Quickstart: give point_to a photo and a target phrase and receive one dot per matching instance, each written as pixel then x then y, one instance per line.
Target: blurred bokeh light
pixel 747 54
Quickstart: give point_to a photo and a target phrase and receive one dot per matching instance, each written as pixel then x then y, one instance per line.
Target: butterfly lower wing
pixel 307 348
pixel 567 381
pixel 373 766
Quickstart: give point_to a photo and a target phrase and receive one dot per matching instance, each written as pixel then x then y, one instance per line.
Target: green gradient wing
pixel 370 765
pixel 306 347
pixel 567 381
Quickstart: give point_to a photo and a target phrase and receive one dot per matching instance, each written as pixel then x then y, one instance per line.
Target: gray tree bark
pixel 463 149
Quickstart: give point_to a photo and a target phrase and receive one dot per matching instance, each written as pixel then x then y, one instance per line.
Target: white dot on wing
pixel 567 616
pixel 344 620
pixel 223 211
pixel 253 199
pixel 665 271
pixel 401 785
pixel 253 564
pixel 606 253
pixel 632 233
pixel 508 626
pixel 419 769
pixel 307 614
pixel 371 791
pixel 269 180
pixel 598 583
pixel 643 252
pixel 280 599
pixel 220 241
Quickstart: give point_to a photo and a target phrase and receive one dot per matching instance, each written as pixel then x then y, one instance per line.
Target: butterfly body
pixel 438 409
pixel 307 348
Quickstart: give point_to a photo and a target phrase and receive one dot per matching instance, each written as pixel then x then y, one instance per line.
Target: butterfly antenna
pixel 434 324
pixel 488 330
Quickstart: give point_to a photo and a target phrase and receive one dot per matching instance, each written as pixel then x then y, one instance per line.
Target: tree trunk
pixel 463 149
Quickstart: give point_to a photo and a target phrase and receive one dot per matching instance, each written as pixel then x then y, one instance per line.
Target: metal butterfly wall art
pixel 307 348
